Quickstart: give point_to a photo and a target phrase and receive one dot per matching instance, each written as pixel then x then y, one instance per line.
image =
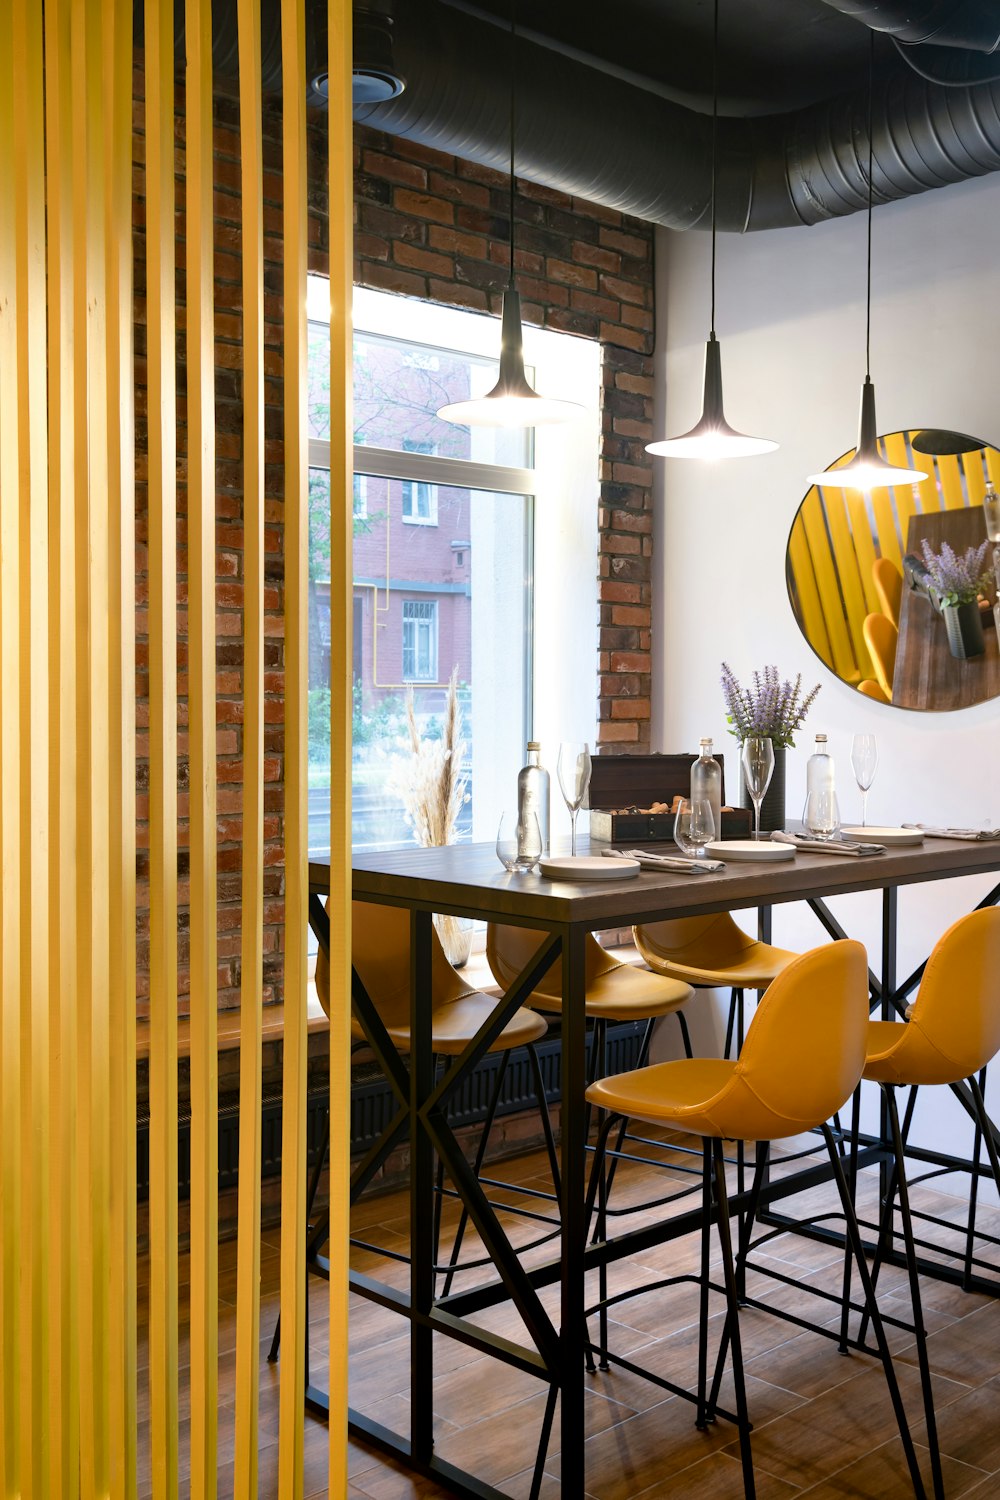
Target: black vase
pixel 964 624
pixel 772 809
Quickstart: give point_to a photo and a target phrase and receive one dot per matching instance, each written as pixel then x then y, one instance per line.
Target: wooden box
pixel 622 785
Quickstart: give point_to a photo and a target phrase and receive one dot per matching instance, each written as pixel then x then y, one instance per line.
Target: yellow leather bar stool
pixel 951 1034
pixel 802 1060
pixel 380 954
pixel 712 953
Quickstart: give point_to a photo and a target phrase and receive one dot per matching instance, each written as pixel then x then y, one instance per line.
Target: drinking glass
pixel 519 841
pixel 573 767
pixel 758 768
pixel 864 759
pixel 694 826
pixel 820 816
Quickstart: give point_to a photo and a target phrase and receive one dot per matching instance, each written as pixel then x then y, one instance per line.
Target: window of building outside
pixel 444 561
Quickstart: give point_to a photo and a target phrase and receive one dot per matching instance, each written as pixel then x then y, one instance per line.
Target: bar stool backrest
pixel 954 1027
pixel 805 1049
pixel 696 942
pixel 380 951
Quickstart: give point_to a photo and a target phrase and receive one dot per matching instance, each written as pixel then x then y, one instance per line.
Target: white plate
pixel 585 867
pixel 885 835
pixel 750 849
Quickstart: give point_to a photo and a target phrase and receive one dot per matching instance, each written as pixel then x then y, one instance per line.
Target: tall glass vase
pixel 772 809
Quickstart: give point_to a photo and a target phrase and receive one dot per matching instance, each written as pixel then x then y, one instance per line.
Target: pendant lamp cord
pixel 871 169
pixel 715 134
pixel 513 101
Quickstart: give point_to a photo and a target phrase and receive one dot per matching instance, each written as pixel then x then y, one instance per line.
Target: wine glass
pixel 573 767
pixel 694 826
pixel 821 816
pixel 519 841
pixel 758 767
pixel 864 759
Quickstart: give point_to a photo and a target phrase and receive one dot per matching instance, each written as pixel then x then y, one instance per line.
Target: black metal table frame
pixel 557 1355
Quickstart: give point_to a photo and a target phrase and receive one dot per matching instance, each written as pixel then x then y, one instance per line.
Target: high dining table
pixel 466 880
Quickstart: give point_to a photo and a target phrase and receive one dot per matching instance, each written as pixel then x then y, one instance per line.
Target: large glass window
pixel 444 562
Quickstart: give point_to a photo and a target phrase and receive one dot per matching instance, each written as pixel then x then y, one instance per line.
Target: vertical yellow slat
pixel 814 521
pixel 63 1372
pixel 293 1113
pixel 201 737
pixel 117 104
pixel 91 482
pixel 10 776
pixel 951 481
pixel 885 526
pixel 863 544
pixel 906 494
pixel 848 573
pixel 806 593
pixel 160 317
pixel 975 477
pixel 341 676
pixel 29 216
pixel 252 940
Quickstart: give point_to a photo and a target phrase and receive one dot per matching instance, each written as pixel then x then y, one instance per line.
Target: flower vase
pixel 964 624
pixel 772 808
pixel 456 938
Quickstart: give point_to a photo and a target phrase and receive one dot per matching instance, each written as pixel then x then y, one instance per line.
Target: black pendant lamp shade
pixel 867 470
pixel 712 437
pixel 511 402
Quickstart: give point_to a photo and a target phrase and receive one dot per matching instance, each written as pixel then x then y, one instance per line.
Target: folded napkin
pixel 650 861
pixel 971 835
pixel 827 846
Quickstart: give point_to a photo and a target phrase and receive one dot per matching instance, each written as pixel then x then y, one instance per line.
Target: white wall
pixel 791 325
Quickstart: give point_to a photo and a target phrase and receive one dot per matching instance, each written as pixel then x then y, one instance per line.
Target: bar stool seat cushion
pixel 616 991
pixel 784 1081
pixel 380 937
pixel 710 951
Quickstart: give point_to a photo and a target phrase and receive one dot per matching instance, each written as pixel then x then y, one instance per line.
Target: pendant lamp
pixel 867 470
pixel 712 438
pixel 511 402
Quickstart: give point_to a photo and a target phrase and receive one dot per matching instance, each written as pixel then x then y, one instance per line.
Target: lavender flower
pixel 770 709
pixel 958 579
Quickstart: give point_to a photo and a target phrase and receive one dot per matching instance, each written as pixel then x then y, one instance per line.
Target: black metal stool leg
pixel 543 1110
pixel 733 1321
pixel 913 1276
pixel 594 1189
pixel 685 1033
pixel 735 1002
pixel 476 1167
pixel 852 1183
pixel 854 1236
pixel 970 1226
pixel 702 1419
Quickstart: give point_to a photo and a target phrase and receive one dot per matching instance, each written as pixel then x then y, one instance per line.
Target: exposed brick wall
pixel 433 226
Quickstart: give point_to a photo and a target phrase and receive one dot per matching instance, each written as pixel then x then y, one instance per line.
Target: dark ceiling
pixel 774 55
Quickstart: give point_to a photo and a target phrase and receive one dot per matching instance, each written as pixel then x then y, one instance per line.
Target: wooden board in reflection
pixel 926 675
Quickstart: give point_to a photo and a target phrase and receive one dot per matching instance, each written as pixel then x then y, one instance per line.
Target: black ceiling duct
pixel 598 138
pixel 951 42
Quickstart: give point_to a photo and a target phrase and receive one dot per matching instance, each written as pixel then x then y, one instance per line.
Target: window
pixel 419 498
pixel 489 573
pixel 420 640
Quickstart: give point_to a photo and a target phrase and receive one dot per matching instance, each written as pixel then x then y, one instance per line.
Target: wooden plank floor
pixel 823 1423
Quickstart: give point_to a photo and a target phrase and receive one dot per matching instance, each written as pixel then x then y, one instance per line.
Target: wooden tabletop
pixel 926 674
pixel 467 879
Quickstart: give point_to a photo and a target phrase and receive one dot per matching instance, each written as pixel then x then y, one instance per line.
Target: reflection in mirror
pixel 878 613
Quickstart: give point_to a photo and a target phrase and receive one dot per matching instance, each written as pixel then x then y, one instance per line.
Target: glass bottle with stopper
pixel 706 781
pixel 821 815
pixel 533 792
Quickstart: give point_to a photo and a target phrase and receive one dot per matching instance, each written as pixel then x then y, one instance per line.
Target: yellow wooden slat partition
pixel 202 745
pixel 341 675
pixel 296 622
pixel 69 1399
pixel 248 1268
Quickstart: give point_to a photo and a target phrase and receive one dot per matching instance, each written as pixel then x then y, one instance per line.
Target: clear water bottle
pixel 991 510
pixel 533 792
pixel 821 815
pixel 706 781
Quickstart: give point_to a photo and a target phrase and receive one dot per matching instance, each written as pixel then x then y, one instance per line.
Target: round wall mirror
pixel 903 630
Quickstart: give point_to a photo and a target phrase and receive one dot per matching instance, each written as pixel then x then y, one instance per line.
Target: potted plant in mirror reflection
pixel 959 579
pixel 433 787
pixel 770 708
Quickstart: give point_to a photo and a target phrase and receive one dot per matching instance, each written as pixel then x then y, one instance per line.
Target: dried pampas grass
pixel 431 783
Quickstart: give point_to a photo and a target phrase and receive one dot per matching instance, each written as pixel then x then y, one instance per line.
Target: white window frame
pixel 419 613
pixel 360 511
pixel 417 493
